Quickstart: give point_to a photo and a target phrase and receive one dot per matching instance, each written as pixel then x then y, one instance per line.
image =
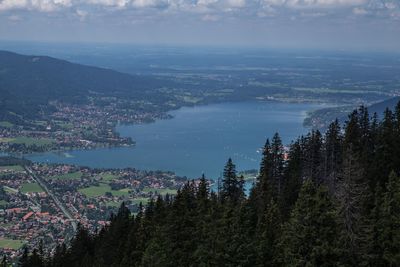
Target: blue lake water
pixel 198 139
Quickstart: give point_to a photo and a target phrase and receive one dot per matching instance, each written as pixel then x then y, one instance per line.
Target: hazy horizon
pixel 367 25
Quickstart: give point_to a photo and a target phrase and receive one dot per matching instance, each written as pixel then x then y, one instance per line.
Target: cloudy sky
pixel 338 24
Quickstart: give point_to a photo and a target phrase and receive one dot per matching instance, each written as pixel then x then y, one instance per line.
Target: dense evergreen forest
pixel 334 200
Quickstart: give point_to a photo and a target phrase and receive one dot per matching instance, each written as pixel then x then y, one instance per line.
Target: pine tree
pixel 277 160
pixel 310 235
pixel 232 185
pixel 266 163
pixel 262 191
pixel 396 156
pixel 391 222
pixel 376 248
pixel 58 259
pixel 353 195
pixel 293 178
pixel 4 261
pixel 80 245
pixel 35 260
pixel 203 189
pixel 333 155
pixel 268 233
pixel 313 157
pixel 24 259
pixel 387 147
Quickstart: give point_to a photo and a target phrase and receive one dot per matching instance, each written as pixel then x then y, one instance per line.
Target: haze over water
pixel 198 139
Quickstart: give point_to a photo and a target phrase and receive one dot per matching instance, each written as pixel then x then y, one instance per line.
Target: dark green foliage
pixel 333 155
pixel 4 262
pixel 332 202
pixel 310 235
pixel 232 185
pixel 390 222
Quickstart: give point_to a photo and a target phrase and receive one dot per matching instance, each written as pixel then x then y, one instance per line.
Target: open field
pixel 28 141
pixel 69 176
pixel 101 190
pixel 13 168
pixel 65 125
pixel 13 244
pixel 6 124
pixel 6 140
pixel 109 176
pixel 163 191
pixel 31 188
pixel 142 200
pixel 10 190
pixel 114 204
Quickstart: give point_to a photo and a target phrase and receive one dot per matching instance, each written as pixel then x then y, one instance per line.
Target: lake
pixel 198 139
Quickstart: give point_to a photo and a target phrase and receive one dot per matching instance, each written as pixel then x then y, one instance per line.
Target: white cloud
pixel 40 5
pixel 82 14
pixel 236 3
pixel 360 11
pixel 209 10
pixel 209 17
pixel 313 3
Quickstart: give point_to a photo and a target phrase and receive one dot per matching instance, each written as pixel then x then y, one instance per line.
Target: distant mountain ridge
pixel 28 83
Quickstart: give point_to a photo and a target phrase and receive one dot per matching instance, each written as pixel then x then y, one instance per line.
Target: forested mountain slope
pixel 28 83
pixel 334 202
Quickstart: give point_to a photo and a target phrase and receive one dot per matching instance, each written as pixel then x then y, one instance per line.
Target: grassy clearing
pixel 65 125
pixel 12 168
pixel 163 191
pixel 31 188
pixel 40 123
pixel 69 176
pixel 3 203
pixel 109 176
pixel 9 243
pixel 113 204
pixel 101 190
pixel 6 140
pixel 6 124
pixel 7 225
pixel 28 141
pixel 10 190
pixel 142 200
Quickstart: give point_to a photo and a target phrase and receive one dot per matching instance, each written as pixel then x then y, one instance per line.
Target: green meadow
pixel 142 200
pixel 31 188
pixel 28 141
pixel 108 176
pixel 14 168
pixel 101 190
pixel 6 124
pixel 10 243
pixel 163 191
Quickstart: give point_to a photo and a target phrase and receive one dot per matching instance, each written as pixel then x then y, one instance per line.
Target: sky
pixel 332 24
